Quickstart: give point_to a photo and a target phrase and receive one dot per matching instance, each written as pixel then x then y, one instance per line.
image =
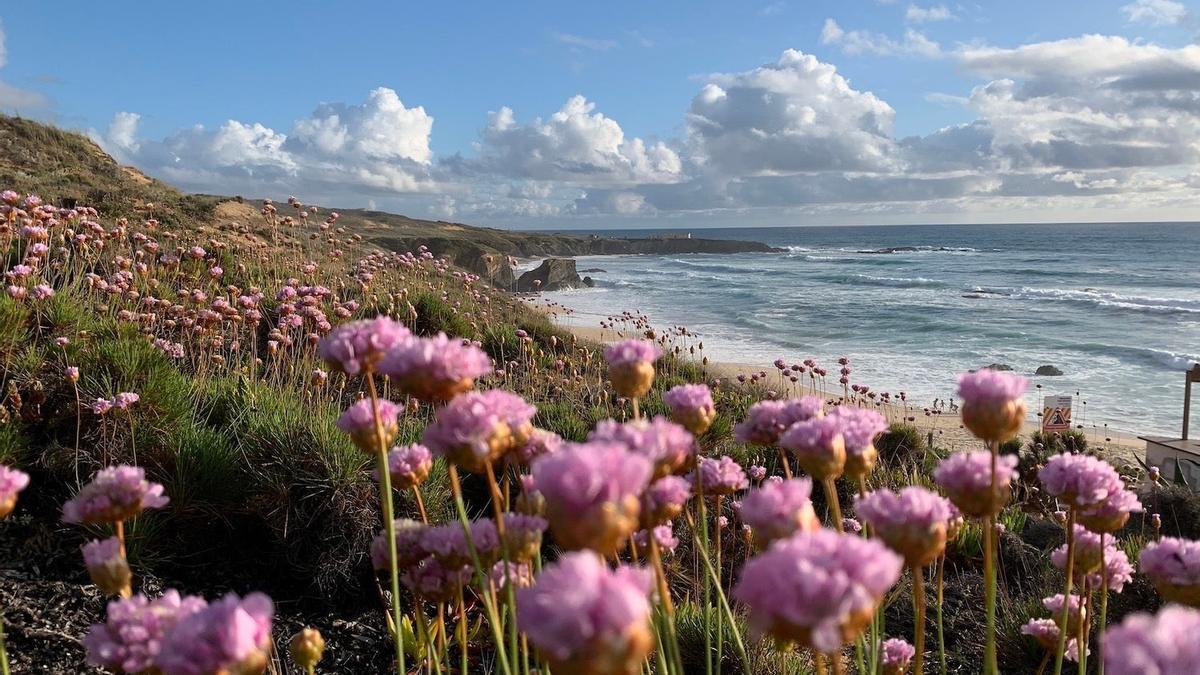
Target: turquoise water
pixel 1115 306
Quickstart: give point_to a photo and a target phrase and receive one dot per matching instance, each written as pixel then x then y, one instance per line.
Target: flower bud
pixel 107 567
pixel 307 647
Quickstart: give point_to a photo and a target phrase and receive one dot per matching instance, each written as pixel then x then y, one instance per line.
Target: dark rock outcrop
pixel 553 274
pixel 997 366
pixel 589 282
pixel 1048 371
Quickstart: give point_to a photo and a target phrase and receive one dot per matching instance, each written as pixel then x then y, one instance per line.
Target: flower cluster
pixel 114 494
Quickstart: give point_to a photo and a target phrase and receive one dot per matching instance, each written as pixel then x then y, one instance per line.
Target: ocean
pixel 1116 307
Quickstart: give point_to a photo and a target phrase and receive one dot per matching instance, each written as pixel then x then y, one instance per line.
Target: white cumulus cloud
pixel 914 43
pixel 574 145
pixel 1155 12
pixel 918 14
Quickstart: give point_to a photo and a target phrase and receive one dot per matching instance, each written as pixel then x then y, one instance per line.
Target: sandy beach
pixel 946 427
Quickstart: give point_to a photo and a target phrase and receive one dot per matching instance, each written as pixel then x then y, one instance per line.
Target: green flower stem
pixel 1066 609
pixel 489 601
pixel 989 594
pixel 389 523
pixel 1103 605
pixel 724 603
pixel 3 650
pixel 941 571
pixel 918 577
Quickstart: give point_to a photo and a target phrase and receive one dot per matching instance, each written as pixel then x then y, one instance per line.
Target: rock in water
pixel 554 274
pixel 1047 370
pixel 997 366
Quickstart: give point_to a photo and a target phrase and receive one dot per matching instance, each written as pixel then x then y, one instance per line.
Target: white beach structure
pixel 1178 458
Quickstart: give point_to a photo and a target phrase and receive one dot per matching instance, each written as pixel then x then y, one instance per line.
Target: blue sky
pixel 644 68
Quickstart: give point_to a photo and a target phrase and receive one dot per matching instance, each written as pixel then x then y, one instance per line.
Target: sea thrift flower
pixel 664 500
pixel 523 535
pixel 72 373
pixel 107 567
pixel 818 446
pixel 409 551
pixel 778 510
pixel 767 420
pixel 669 446
pixel 1163 644
pixel 359 423
pixel 852 525
pixel 1075 611
pixel 911 522
pixel 818 589
pixel 631 366
pixel 230 635
pixel 306 648
pixel 859 429
pixel 436 368
pixel 504 573
pixel 1080 481
pixel 591 492
pixel 757 472
pixel 1173 566
pixel 477 428
pixel 966 478
pixel 409 465
pixel 114 494
pixel 1111 514
pixel 692 406
pixel 1117 570
pixel 125 400
pixel 664 537
pixel 358 346
pixel 101 406
pixel 1045 633
pixel 897 656
pixel 720 476
pixel 12 481
pixel 993 407
pixel 436 581
pixel 540 442
pixel 1086 555
pixel 584 618
pixel 448 543
pixel 130 638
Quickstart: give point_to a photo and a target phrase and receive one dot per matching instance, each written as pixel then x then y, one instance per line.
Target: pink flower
pixel 667 445
pixel 479 427
pixel 966 478
pixel 580 611
pixel 436 368
pixel 541 442
pixel 990 387
pixel 409 465
pixel 124 400
pixel 230 635
pixel 720 476
pixel 817 445
pixel 131 636
pixel 631 351
pixel 357 347
pixel 692 406
pixel 591 491
pixel 12 481
pixel 778 510
pixel 767 420
pixel 1111 514
pixel 114 494
pixel 1164 644
pixel 665 499
pixel 1173 565
pixel 358 421
pixel 1045 633
pixel 409 551
pixel 101 406
pixel 1080 481
pixel 819 589
pixel 664 536
pixel 859 427
pixel 897 655
pixel 106 565
pixel 911 522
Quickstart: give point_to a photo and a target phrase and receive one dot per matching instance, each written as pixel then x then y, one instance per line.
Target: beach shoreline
pixel 946 427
